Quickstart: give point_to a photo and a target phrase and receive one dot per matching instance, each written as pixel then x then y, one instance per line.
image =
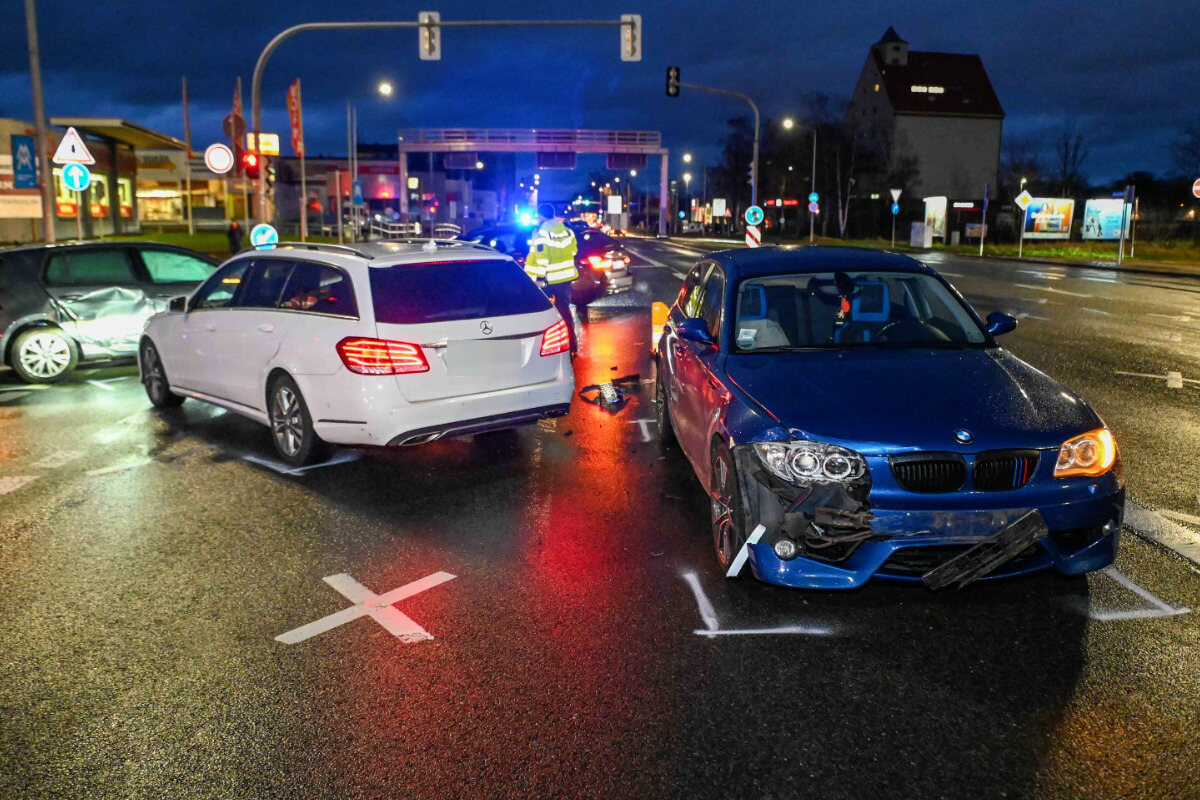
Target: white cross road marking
pixel 10 396
pixel 120 467
pixel 712 626
pixel 1175 380
pixel 1172 317
pixel 102 385
pixel 10 483
pixel 735 567
pixel 29 388
pixel 57 459
pixel 1160 609
pixel 342 457
pixel 1156 527
pixel 1027 315
pixel 368 604
pixel 644 425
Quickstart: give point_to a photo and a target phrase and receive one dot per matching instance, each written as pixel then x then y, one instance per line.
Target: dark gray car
pixel 62 305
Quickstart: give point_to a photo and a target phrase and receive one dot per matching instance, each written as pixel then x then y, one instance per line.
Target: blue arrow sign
pixel 753 215
pixel 895 209
pixel 813 197
pixel 77 177
pixel 357 192
pixel 264 236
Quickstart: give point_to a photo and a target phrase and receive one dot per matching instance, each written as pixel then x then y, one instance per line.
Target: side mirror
pixel 694 329
pixel 999 323
pixel 177 304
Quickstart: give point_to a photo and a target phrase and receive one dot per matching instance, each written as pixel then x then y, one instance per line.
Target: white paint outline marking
pixel 368 604
pixel 735 567
pixel 57 459
pixel 10 483
pixel 712 626
pixel 102 385
pixel 1050 289
pixel 120 467
pixel 644 424
pixel 1175 380
pixel 29 387
pixel 343 457
pixel 10 396
pixel 1154 526
pixel 1161 608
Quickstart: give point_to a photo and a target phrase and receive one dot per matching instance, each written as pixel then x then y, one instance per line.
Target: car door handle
pixel 266 327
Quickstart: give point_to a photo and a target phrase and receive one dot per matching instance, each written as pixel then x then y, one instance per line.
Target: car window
pixel 453 290
pixel 689 295
pixel 219 290
pixel 319 288
pixel 169 266
pixel 851 309
pixel 711 302
pixel 265 283
pixel 91 267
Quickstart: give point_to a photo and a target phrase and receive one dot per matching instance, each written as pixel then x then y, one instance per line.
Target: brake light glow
pixel 381 356
pixel 556 339
pixel 597 263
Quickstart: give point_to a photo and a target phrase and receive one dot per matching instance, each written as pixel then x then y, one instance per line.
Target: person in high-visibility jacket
pixel 551 262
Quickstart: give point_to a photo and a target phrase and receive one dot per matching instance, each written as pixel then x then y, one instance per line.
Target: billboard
pixel 935 216
pixel 1049 218
pixel 1102 218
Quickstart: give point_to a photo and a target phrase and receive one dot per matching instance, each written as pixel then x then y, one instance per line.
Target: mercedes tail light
pixel 556 339
pixel 381 356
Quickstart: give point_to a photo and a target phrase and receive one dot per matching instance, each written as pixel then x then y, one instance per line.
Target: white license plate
pixel 500 357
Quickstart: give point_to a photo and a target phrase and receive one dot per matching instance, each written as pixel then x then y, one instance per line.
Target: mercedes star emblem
pixel 486 327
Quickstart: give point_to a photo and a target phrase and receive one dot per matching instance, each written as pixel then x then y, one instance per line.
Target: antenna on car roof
pixel 430 246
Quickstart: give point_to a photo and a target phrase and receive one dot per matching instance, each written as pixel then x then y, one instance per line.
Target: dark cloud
pixel 1125 75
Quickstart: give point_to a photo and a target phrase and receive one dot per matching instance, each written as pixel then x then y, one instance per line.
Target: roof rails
pixel 438 242
pixel 330 248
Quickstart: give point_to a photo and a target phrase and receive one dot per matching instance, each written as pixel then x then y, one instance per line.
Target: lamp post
pixel 788 124
pixel 384 89
pixel 1021 236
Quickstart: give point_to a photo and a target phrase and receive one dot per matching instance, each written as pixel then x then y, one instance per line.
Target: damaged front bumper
pixel 882 532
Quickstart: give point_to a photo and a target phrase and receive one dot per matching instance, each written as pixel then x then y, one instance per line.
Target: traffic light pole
pixel 754 108
pixel 630 23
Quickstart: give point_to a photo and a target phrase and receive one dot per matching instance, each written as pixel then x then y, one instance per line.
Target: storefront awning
pixel 121 131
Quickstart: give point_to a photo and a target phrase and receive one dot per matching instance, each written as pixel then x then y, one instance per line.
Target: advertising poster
pixel 1102 218
pixel 935 216
pixel 1049 218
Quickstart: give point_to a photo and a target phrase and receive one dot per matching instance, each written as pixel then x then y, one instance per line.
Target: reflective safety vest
pixel 552 253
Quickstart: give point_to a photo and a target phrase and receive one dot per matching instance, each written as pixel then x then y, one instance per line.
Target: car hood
pixel 880 400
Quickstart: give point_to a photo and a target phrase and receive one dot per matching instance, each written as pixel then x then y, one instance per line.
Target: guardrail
pixel 482 137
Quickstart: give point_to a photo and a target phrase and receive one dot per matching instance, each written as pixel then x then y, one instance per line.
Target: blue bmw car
pixel 852 417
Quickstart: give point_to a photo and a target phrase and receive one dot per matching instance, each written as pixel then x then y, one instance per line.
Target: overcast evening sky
pixel 1125 74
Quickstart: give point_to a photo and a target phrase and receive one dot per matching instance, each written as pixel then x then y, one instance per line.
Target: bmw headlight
pixel 1092 453
pixel 811 462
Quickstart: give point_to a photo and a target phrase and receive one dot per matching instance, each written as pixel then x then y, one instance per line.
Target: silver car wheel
pixel 152 372
pixel 45 355
pixel 287 421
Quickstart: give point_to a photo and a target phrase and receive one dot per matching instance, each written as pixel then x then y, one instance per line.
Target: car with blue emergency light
pixel 852 417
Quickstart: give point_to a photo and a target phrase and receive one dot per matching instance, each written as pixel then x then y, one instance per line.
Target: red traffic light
pixel 250 164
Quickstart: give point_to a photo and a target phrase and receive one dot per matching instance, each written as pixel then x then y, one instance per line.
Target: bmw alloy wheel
pixel 727 540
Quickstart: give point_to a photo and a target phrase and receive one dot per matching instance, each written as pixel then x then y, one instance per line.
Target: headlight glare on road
pixel 811 462
pixel 1092 453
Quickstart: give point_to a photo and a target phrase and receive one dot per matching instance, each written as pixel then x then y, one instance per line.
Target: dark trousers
pixel 560 293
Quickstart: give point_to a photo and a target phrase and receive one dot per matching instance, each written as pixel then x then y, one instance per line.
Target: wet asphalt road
pixel 146 567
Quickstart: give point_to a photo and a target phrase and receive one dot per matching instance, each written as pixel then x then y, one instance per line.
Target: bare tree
pixel 1186 151
pixel 1070 153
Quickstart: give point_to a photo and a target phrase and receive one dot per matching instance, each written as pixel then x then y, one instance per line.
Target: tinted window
pixel 410 294
pixel 91 267
pixel 168 266
pixel 319 288
pixel 689 295
pixel 265 283
pixel 218 291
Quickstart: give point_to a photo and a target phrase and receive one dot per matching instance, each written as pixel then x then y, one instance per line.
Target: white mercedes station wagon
pixel 385 343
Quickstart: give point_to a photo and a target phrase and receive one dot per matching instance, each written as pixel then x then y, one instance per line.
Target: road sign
pixel 24 162
pixel 754 216
pixel 1196 187
pixel 269 144
pixel 1023 200
pixel 77 177
pixel 814 207
pixel 753 235
pixel 234 127
pixel 72 150
pixel 896 195
pixel 218 158
pixel 264 236
pixel 357 193
pixel 813 197
pixel 718 206
pixel 895 209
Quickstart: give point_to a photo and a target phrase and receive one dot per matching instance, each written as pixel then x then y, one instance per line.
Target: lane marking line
pixel 712 627
pixel 378 607
pixel 57 459
pixel 651 261
pixel 742 555
pixel 10 396
pixel 1050 289
pixel 1175 380
pixel 120 467
pixel 343 457
pixel 10 483
pixel 102 385
pixel 644 425
pixel 1161 608
pixel 31 387
pixel 707 612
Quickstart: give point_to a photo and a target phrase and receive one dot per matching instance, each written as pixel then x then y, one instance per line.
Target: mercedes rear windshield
pixel 411 294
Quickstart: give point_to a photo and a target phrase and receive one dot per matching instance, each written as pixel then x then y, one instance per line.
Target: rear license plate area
pixel 484 358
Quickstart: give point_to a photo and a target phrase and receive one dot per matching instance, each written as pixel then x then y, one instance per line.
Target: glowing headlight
pixel 1092 453
pixel 811 462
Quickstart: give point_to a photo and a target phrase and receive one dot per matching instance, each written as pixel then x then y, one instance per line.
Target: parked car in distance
pixel 855 407
pixel 70 304
pixel 380 343
pixel 602 261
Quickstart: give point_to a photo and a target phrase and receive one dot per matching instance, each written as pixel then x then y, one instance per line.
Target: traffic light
pixel 672 81
pixel 750 175
pixel 429 36
pixel 269 171
pixel 631 37
pixel 250 165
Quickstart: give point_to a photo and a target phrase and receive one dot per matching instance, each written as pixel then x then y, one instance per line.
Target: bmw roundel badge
pixel 963 436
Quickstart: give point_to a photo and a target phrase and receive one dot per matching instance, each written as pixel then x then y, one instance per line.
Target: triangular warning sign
pixel 72 150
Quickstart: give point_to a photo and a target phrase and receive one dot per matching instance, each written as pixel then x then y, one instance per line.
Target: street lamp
pixel 382 89
pixel 385 88
pixel 788 124
pixel 478 165
pixel 687 158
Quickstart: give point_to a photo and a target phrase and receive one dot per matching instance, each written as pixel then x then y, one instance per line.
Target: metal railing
pixel 394 230
pixel 414 138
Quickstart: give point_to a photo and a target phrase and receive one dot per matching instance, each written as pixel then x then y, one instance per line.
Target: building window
pixel 877 87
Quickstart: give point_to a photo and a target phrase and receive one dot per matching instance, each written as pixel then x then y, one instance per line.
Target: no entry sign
pixel 1196 188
